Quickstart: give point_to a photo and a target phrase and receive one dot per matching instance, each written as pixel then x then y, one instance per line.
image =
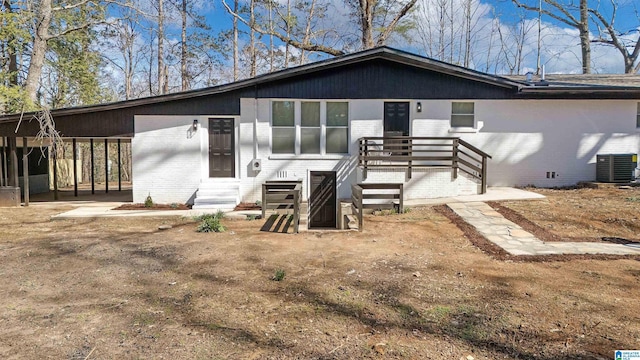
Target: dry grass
pixel 409 286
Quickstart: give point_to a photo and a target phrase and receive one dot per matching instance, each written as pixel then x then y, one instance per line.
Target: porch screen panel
pixel 310 128
pixel 462 114
pixel 337 141
pixel 283 131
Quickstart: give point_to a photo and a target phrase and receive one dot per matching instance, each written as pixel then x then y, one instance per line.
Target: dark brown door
pixel 396 118
pixel 322 199
pixel 221 149
pixel 396 123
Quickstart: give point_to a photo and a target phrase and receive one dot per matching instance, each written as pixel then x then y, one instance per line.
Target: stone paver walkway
pixel 516 241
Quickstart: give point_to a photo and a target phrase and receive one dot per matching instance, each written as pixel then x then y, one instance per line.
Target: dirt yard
pixel 409 286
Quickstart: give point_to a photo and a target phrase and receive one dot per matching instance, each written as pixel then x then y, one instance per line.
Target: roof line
pixel 382 52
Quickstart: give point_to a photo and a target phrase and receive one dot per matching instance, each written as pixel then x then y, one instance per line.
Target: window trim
pixel 298 131
pixel 473 128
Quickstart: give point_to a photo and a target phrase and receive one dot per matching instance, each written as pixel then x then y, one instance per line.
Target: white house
pixel 319 122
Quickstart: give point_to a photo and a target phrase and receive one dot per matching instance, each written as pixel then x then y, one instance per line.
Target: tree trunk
pixel 41 35
pixel 366 23
pixel 585 44
pixel 253 56
pixel 11 51
pixel 183 53
pixel 235 41
pixel 161 47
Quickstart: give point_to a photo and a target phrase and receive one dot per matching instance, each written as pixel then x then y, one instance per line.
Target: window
pixel 309 127
pixel 284 130
pixel 462 115
pixel 337 128
pixel 638 117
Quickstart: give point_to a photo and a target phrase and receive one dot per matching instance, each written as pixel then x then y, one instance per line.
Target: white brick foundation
pixel 425 183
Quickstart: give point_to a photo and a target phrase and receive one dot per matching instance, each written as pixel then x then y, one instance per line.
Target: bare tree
pixel 608 34
pixel 377 20
pixel 566 13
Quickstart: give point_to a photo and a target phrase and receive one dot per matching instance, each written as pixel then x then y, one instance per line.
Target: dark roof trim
pixel 375 53
pixel 593 89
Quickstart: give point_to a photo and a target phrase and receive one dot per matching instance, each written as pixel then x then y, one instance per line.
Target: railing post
pixel 360 209
pixel 365 155
pixel 296 210
pixel 409 161
pixel 484 174
pixel 401 200
pixel 264 199
pixel 454 164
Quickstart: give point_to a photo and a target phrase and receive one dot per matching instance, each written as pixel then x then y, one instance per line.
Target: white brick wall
pixel 167 158
pixel 527 139
pixel 425 183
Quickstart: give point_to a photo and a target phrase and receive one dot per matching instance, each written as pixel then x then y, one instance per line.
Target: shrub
pixel 279 275
pixel 148 202
pixel 210 222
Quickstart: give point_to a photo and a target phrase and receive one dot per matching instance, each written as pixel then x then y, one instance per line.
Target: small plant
pixel 258 202
pixel 279 275
pixel 633 199
pixel 252 217
pixel 407 210
pixel 210 222
pixel 174 205
pixel 148 202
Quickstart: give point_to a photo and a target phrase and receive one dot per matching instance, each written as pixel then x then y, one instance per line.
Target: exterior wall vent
pixel 616 167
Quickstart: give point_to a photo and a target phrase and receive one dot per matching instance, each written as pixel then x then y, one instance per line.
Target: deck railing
pixel 283 195
pixel 375 196
pixel 423 152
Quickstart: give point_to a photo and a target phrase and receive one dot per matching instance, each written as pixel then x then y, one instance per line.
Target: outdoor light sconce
pixel 419 107
pixel 195 124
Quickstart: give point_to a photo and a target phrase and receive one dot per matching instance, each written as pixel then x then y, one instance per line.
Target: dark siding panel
pixel 374 79
pixel 119 122
pixel 381 79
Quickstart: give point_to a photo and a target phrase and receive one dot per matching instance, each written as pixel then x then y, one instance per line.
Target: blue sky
pixel 556 35
pixel 560 52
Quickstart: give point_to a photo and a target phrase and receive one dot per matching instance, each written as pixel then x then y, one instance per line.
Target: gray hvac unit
pixel 616 167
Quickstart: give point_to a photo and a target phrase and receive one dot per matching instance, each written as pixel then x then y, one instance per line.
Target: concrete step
pixel 217 194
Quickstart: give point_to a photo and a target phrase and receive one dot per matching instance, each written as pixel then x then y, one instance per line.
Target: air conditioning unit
pixel 256 164
pixel 616 167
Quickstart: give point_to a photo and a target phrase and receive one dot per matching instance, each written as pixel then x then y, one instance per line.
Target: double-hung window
pixel 462 115
pixel 283 127
pixel 337 139
pixel 310 130
pixel 309 127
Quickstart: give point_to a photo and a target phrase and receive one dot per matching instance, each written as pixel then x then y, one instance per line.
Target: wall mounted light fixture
pixel 419 107
pixel 195 124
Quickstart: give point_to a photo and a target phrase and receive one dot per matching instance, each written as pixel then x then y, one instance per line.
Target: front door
pixel 396 123
pixel 221 149
pixel 322 199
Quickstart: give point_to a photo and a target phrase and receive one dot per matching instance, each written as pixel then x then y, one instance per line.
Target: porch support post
pixel 54 150
pixel 25 170
pixel 93 173
pixel 75 166
pixel 119 166
pixel 106 166
pixel 13 162
pixel 3 164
